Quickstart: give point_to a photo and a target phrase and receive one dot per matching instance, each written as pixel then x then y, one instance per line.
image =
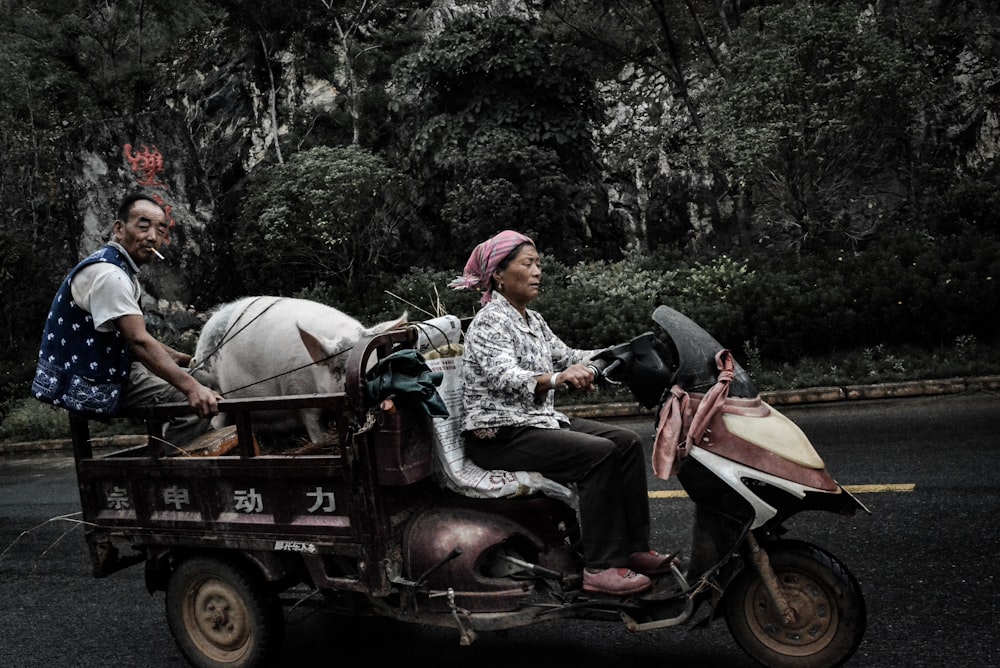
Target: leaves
pixel 814 120
pixel 499 122
pixel 331 215
pixel 599 127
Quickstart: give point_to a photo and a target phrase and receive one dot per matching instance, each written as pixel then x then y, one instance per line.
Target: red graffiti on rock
pixel 146 164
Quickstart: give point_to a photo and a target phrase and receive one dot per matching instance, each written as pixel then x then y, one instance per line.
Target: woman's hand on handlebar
pixel 577 377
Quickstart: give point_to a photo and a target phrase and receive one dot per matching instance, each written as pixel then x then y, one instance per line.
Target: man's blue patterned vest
pixel 79 368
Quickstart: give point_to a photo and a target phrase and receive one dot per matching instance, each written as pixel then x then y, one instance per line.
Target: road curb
pixel 814 395
pixel 819 395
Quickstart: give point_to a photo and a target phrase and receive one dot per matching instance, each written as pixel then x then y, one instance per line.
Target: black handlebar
pixel 638 364
pixel 602 368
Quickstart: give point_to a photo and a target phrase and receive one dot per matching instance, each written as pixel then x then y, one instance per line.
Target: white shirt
pixel 106 292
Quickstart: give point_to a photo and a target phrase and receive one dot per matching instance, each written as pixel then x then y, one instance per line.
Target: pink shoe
pixel 615 581
pixel 652 562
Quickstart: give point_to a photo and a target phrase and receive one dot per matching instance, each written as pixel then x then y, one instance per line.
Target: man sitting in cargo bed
pixel 96 356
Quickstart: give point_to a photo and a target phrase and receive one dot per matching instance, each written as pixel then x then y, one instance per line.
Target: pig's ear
pixel 387 325
pixel 320 348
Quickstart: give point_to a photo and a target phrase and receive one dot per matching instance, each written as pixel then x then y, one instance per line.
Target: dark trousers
pixel 606 463
pixel 147 389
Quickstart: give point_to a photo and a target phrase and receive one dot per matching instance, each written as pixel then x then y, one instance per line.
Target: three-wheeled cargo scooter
pixel 234 532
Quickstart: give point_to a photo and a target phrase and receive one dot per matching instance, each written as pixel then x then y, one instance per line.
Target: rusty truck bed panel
pixel 265 494
pixel 349 501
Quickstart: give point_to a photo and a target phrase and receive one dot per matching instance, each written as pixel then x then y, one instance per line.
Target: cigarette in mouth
pixel 157 253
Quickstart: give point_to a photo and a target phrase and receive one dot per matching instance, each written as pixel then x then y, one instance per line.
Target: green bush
pixel 924 310
pixel 426 294
pixel 597 304
pixel 784 308
pixel 797 311
pixel 712 294
pixel 32 420
pixel 334 216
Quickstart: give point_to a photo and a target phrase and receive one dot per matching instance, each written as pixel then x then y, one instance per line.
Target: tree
pixel 327 215
pixel 508 182
pixel 655 54
pixel 486 91
pixel 812 125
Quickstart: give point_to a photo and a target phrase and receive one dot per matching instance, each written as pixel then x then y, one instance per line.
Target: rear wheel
pixel 221 616
pixel 830 616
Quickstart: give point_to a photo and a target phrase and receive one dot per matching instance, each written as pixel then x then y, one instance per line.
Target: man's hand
pixel 204 400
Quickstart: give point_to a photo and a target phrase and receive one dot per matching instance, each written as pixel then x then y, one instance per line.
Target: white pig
pixel 278 346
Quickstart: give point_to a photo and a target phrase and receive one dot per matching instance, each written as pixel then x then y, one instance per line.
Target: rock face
pixel 213 126
pixel 104 173
pixel 199 143
pixel 220 120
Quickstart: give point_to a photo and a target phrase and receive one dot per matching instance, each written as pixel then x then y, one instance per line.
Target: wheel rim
pixel 217 619
pixel 812 627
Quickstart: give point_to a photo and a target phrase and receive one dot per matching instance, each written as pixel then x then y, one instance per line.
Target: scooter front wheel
pixel 829 610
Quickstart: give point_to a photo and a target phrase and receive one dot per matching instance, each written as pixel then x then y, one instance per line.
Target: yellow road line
pixel 871 489
pixel 854 489
pixel 676 494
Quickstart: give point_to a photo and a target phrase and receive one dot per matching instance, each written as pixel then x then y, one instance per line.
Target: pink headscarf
pixel 484 260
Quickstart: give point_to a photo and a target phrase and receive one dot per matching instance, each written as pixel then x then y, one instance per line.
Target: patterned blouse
pixel 503 354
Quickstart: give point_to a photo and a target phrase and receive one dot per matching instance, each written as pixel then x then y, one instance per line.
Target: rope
pixel 419 326
pixel 285 373
pixel 226 338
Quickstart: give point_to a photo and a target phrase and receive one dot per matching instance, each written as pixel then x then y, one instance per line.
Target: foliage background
pixel 809 179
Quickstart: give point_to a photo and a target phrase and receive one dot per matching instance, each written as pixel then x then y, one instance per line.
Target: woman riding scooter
pixel 513 364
